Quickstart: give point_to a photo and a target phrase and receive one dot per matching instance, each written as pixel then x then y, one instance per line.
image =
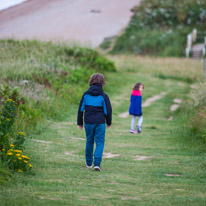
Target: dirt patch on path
pixel 42 141
pixel 78 138
pixel 138 157
pixel 153 99
pixel 110 155
pixel 146 103
pixel 85 21
pixel 173 175
pixel 124 115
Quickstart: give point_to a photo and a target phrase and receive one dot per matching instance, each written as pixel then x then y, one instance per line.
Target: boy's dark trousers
pixel 94 133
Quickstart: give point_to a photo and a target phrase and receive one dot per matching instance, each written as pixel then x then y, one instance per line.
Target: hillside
pixel 160 28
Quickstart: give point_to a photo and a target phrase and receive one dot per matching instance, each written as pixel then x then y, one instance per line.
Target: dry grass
pixel 154 66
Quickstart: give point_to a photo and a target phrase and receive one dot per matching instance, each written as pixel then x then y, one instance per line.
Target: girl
pixel 135 108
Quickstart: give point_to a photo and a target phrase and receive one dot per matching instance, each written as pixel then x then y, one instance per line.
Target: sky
pixel 8 3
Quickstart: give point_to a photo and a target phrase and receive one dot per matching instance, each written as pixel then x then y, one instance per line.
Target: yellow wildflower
pixel 17 151
pixel 25 161
pixel 14 160
pixel 25 157
pixel 18 155
pixel 30 165
pixel 19 170
pixel 9 153
pixel 3 150
pixel 19 158
pixel 11 145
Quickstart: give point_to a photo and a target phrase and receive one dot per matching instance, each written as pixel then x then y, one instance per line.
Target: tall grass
pixel 45 78
pixel 194 115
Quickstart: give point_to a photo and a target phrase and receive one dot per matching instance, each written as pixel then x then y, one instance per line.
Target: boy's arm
pixel 109 110
pixel 80 113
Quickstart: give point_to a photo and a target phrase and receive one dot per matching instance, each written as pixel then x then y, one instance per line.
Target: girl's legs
pixel 133 122
pixel 140 121
pixel 139 124
pixel 99 140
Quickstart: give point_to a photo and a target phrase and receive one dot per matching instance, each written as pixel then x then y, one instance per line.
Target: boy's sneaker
pixel 133 131
pixel 97 168
pixel 139 129
pixel 88 166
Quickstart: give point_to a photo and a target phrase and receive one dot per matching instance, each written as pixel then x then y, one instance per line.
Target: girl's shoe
pixel 139 129
pixel 133 131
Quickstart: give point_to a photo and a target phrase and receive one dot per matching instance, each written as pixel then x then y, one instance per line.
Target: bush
pixel 11 154
pixel 90 59
pixel 15 159
pixel 160 27
pixel 194 114
pixel 7 118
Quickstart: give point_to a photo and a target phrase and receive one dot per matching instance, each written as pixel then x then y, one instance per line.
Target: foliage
pixel 160 27
pixel 45 78
pixel 15 159
pixel 106 44
pixel 11 155
pixel 19 140
pixel 7 118
pixel 197 112
pixel 90 59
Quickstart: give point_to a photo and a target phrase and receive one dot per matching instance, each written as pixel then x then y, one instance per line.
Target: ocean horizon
pixel 5 4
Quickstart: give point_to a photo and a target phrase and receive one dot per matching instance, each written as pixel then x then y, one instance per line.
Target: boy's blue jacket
pixel 97 107
pixel 135 103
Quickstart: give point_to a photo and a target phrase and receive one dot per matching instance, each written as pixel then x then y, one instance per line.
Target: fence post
pixel 189 45
pixel 194 35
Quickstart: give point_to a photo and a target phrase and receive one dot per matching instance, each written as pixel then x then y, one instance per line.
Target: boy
pixel 97 109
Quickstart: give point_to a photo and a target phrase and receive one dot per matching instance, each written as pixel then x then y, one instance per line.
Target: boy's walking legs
pixel 99 140
pixel 90 132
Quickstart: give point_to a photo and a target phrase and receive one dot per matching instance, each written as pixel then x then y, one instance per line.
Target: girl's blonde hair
pixel 137 85
pixel 97 78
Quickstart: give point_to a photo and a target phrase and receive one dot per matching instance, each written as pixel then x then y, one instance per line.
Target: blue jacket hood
pixel 95 90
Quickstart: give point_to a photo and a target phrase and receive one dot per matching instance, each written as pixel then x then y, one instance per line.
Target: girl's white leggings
pixel 134 120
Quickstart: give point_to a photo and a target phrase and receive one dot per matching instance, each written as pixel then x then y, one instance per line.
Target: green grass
pixel 61 178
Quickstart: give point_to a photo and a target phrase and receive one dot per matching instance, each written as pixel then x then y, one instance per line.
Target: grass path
pixel 173 173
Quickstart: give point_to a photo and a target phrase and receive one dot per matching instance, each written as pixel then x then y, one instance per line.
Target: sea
pixel 4 4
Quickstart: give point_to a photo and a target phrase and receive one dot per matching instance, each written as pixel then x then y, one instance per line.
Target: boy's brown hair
pixel 137 85
pixel 97 78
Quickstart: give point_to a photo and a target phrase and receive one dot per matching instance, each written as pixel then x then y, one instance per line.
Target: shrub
pixel 11 154
pixel 194 114
pixel 15 159
pixel 90 59
pixel 7 118
pixel 160 27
